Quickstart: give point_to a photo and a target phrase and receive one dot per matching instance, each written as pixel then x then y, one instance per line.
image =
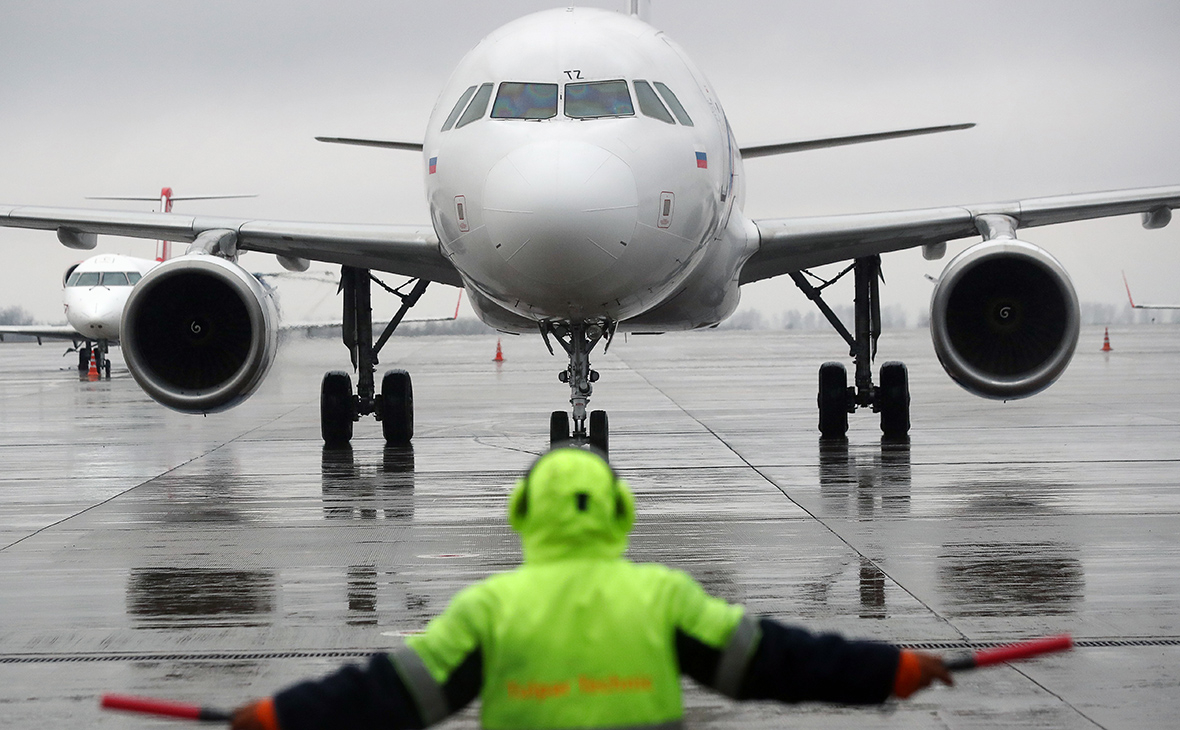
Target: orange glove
pixel 258 715
pixel 916 670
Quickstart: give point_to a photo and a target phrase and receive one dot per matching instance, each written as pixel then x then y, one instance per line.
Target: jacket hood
pixel 571 505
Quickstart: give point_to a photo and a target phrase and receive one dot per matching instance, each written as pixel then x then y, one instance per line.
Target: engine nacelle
pixel 199 333
pixel 1004 318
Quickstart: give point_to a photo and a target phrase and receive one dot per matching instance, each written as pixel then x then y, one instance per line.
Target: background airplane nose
pixel 560 212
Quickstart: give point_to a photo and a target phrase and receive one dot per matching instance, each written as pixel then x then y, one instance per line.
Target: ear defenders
pixel 624 512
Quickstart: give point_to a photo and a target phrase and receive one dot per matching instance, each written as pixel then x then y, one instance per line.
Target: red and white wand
pixel 1010 652
pixel 167 708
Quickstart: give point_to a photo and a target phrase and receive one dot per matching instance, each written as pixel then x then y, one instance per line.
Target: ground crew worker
pixel 579 637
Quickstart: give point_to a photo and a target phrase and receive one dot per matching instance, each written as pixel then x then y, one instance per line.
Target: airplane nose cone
pixel 560 212
pixel 98 320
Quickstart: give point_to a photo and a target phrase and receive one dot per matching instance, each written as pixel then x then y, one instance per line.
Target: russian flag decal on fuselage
pixel 433 164
pixel 702 160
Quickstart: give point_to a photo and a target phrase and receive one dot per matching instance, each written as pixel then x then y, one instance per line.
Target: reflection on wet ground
pixel 865 480
pixel 368 492
pixel 218 558
pixel 161 597
pixel 1011 579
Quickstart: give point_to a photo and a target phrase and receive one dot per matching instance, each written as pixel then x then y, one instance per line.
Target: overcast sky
pixel 118 98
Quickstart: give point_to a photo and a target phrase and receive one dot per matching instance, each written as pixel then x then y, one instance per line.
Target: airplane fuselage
pixel 579 167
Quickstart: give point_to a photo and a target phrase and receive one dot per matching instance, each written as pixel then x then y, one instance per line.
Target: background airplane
pixel 1144 306
pixel 95 293
pixel 1122 203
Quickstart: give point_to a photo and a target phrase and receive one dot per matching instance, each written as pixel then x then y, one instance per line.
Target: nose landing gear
pixel 98 350
pixel 578 338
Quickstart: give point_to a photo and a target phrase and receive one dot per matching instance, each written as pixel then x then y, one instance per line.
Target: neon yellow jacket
pixel 577 636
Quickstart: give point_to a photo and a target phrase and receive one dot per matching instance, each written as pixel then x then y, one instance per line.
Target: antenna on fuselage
pixel 640 9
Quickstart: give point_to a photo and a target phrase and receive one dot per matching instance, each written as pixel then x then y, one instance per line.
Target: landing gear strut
pixel 836 400
pixel 394 406
pixel 578 338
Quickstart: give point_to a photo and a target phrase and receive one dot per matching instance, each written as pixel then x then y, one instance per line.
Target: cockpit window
pixel 479 105
pixel 73 280
pixel 114 278
pixel 134 277
pixel 674 103
pixel 458 108
pixel 598 99
pixel 525 101
pixel 86 278
pixel 650 104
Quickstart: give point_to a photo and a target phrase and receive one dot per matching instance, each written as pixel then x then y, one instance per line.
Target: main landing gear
pixel 578 338
pixel 394 406
pixel 836 399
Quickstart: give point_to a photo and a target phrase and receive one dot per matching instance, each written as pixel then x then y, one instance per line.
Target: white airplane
pixel 96 291
pixel 583 180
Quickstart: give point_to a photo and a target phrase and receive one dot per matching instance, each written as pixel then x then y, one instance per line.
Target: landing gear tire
pixel 397 408
pixel 106 369
pixel 559 428
pixel 599 431
pixel 893 398
pixel 833 401
pixel 337 409
pixel 83 360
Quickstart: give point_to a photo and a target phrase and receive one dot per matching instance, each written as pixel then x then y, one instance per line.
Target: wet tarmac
pixel 217 559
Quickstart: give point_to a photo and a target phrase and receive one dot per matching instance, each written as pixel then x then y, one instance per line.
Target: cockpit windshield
pixel 582 100
pixel 478 106
pixel 454 115
pixel 598 99
pixel 650 104
pixel 103 278
pixel 525 101
pixel 674 103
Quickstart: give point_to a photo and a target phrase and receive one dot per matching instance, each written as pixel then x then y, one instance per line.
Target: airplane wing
pixel 42 332
pixel 398 249
pixel 791 244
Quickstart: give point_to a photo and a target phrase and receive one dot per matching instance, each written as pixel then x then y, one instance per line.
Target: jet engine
pixel 199 333
pixel 1004 318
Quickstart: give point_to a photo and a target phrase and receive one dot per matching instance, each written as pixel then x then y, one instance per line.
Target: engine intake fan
pixel 1004 318
pixel 199 333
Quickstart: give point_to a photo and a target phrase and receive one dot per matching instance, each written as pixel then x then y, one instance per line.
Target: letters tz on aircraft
pixel 582 181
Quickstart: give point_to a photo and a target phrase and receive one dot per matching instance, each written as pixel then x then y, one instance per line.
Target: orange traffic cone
pixel 92 374
pixel 1106 340
pixel 499 353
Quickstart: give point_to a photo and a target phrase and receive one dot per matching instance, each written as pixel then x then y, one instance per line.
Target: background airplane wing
pixel 42 331
pixel 398 249
pixel 335 325
pixel 791 244
pixel 1144 306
